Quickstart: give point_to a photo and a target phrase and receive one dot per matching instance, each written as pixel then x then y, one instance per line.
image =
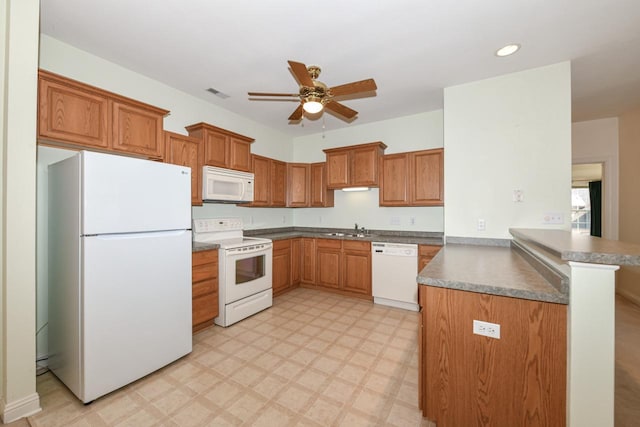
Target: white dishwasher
pixel 394 273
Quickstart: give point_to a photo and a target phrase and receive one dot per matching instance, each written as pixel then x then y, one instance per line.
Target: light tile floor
pixel 313 359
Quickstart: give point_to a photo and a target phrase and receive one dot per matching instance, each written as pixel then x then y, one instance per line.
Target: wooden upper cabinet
pixel 74 114
pixel 412 179
pixel 269 182
pixel 298 180
pixel 223 148
pixel 186 151
pixel 394 180
pixel 278 183
pixel 426 172
pixel 320 195
pixel 354 166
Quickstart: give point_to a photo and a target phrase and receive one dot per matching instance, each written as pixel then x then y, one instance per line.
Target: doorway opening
pixel 586 199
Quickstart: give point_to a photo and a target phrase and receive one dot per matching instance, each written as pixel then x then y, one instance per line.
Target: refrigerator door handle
pixel 122 236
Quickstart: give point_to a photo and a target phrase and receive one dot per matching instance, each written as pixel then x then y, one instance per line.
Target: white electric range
pixel 245 264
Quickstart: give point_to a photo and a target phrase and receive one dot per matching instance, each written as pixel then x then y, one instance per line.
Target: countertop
pixel 495 270
pixel 580 248
pixel 198 246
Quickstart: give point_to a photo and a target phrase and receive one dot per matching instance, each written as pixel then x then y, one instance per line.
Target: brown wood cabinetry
pixel 186 151
pixel 281 273
pixel 308 260
pixel 77 115
pixel 298 180
pixel 519 379
pixel 223 148
pixel 269 182
pixel 412 179
pixel 296 259
pixel 204 290
pixel 320 196
pixel 344 266
pixel 354 166
pixel 426 254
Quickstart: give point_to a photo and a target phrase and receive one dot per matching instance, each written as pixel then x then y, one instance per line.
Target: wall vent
pixel 217 93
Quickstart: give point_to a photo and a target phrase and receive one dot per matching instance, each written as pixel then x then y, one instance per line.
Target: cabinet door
pixel 427 178
pixel 329 258
pixel 308 258
pixel 186 151
pixel 261 167
pixel 136 130
pixel 364 167
pixel 278 183
pixel 72 115
pixel 320 196
pixel 281 265
pixel 394 186
pixel 338 169
pixel 216 148
pixel 295 261
pixel 239 154
pixel 298 185
pixel 357 267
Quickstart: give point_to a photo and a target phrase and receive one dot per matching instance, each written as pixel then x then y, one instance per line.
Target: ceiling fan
pixel 315 96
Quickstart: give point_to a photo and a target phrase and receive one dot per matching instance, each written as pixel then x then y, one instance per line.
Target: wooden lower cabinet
pixel 467 379
pixel 281 273
pixel 344 266
pixel 308 260
pixel 296 258
pixel 204 290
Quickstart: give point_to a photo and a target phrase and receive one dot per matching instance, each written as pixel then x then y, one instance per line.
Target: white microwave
pixel 226 185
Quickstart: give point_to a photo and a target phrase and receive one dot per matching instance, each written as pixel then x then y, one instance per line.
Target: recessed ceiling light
pixel 509 49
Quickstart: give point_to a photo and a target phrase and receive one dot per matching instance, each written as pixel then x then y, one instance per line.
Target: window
pixel 580 211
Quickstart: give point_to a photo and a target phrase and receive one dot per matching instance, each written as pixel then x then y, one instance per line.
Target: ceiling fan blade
pixel 341 109
pixel 297 114
pixel 271 94
pixel 367 85
pixel 300 72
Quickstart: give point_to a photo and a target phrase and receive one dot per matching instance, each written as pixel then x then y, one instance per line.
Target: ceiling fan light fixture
pixel 312 105
pixel 507 50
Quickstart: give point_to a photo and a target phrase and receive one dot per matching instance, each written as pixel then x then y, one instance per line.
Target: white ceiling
pixel 412 48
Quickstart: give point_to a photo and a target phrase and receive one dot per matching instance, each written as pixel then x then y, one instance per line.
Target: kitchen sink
pixel 349 235
pixel 336 234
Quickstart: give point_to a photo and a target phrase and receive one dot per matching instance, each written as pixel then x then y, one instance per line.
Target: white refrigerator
pixel 119 270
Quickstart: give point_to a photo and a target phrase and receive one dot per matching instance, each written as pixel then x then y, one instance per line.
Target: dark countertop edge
pixel 492 290
pixel 617 257
pixel 418 237
pixel 550 272
pixel 199 247
pixel 479 241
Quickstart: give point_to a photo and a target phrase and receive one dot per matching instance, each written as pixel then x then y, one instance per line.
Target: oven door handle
pixel 236 251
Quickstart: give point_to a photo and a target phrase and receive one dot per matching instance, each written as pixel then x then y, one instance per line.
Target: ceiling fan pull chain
pixel 323 126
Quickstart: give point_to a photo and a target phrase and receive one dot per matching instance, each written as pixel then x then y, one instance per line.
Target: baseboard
pixel 12 411
pixel 630 296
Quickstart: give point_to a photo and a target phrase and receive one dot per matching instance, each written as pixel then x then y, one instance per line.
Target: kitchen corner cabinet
pixel 77 115
pixel 223 148
pixel 426 254
pixel 519 379
pixel 344 266
pixel 269 182
pixel 308 260
pixel 204 290
pixel 286 265
pixel 354 166
pixel 186 151
pixel 296 261
pixel 298 180
pixel 320 196
pixel 412 179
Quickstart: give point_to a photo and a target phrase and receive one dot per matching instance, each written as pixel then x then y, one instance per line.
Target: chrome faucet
pixel 356 227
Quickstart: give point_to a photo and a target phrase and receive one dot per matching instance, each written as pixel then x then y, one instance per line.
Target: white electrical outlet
pixel 412 220
pixel 518 196
pixel 482 225
pixel 491 330
pixel 395 220
pixel 553 218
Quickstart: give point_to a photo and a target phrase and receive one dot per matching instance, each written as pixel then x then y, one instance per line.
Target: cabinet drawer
pixel 204 308
pixel 204 287
pixel 427 250
pixel 281 245
pixel 329 243
pixel 204 272
pixel 204 257
pixel 355 245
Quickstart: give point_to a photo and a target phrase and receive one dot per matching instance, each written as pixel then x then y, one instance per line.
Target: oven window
pixel 249 269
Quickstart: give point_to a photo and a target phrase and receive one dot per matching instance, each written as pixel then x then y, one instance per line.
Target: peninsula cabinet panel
pixel 298 185
pixel 136 130
pixel 278 183
pixel 186 151
pixel 426 172
pixel 320 195
pixel 75 115
pixel 204 290
pixel 394 180
pixel 223 148
pixel 517 380
pixel 308 260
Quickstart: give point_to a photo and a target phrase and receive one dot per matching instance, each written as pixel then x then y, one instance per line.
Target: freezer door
pixel 136 307
pixel 123 194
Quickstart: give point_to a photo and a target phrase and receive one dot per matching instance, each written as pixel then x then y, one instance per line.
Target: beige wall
pixel 629 208
pixel 19 49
